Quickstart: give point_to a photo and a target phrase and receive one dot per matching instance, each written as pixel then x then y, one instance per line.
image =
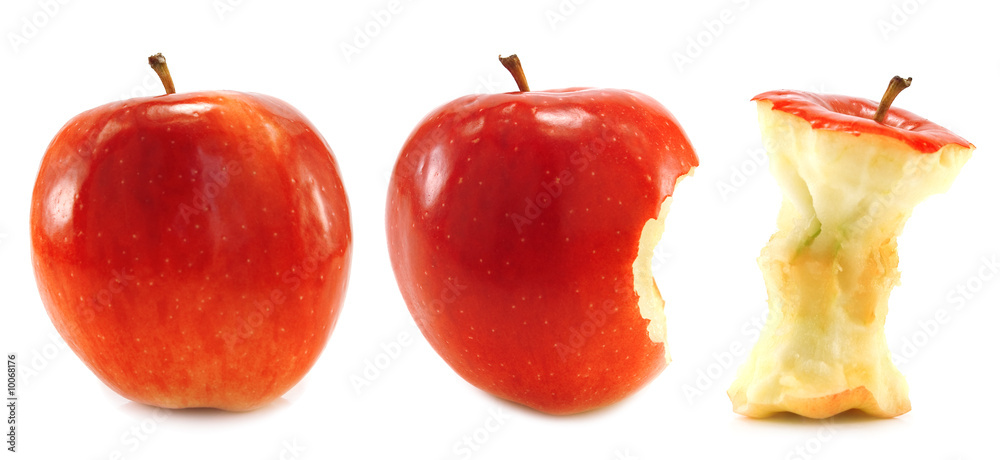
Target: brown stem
pixel 896 86
pixel 159 65
pixel 513 65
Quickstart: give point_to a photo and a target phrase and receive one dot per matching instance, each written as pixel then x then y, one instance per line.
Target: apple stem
pixel 513 65
pixel 896 86
pixel 159 65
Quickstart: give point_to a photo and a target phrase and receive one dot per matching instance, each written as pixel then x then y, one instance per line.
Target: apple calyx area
pixel 651 305
pixel 831 265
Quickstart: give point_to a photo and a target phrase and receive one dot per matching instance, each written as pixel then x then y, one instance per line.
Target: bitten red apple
pixel 192 249
pixel 521 228
pixel 852 171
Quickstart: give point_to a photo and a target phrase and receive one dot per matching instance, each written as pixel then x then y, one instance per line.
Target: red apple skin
pixel 543 314
pixel 855 115
pixel 192 249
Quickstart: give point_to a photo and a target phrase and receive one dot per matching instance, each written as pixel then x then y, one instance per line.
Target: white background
pixel 89 53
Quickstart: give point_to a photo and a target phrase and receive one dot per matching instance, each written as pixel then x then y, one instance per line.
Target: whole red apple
pixel 521 228
pixel 192 249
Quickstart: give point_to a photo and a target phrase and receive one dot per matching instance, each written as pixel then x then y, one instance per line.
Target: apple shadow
pixel 527 411
pixel 139 410
pixel 851 417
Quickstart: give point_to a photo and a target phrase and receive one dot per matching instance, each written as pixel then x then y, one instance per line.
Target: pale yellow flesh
pixel 650 302
pixel 830 267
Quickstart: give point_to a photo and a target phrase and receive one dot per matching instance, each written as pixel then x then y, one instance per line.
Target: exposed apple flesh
pixel 848 189
pixel 650 302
